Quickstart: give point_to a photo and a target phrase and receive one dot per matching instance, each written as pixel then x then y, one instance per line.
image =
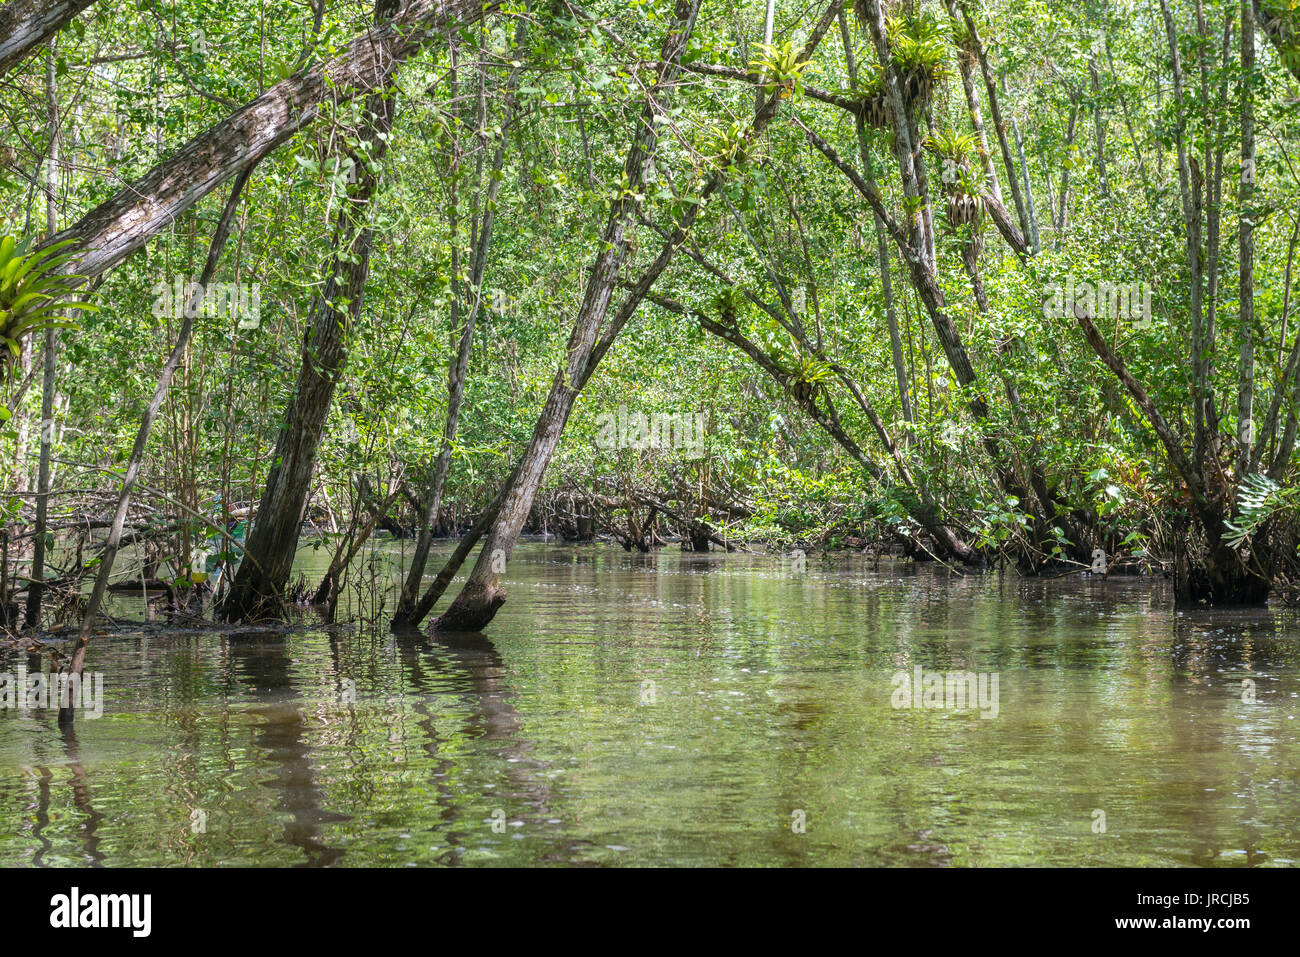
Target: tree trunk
pixel 1063 217
pixel 478 601
pixel 1246 236
pixel 457 558
pixel 1035 244
pixel 995 110
pixel 1204 442
pixel 947 541
pixel 111 546
pixel 259 584
pixel 458 366
pixel 36 589
pixel 1099 126
pixel 965 60
pixel 120 225
pixel 26 24
pixel 1204 368
pixel 882 242
pixel 482 596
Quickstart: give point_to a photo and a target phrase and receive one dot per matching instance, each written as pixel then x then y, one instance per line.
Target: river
pixel 684 709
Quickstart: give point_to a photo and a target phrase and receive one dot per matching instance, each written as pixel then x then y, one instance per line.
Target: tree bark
pixel 482 595
pixel 458 366
pixel 259 584
pixel 478 601
pixel 120 225
pixel 26 24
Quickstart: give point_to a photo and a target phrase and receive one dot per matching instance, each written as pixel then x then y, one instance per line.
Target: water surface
pixel 681 709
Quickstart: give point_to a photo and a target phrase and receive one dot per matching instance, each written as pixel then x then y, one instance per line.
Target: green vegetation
pixel 987 284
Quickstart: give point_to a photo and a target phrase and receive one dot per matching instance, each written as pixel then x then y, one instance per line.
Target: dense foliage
pixel 1051 156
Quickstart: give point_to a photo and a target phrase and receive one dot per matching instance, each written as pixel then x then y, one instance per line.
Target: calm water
pixel 683 709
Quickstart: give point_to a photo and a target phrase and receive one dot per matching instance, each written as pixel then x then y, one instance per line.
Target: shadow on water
pixel 282 738
pixel 471 663
pixel 79 785
pixel 468 665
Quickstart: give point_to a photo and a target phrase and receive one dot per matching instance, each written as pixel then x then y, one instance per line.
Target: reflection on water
pixel 684 709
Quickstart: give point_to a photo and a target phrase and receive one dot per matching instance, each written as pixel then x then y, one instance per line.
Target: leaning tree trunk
pixel 259 584
pixel 452 565
pixel 913 246
pixel 26 24
pixel 109 554
pixel 122 224
pixel 482 596
pixel 478 601
pixel 946 539
pixel 458 366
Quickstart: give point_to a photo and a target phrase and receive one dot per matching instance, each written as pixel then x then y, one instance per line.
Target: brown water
pixel 683 709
